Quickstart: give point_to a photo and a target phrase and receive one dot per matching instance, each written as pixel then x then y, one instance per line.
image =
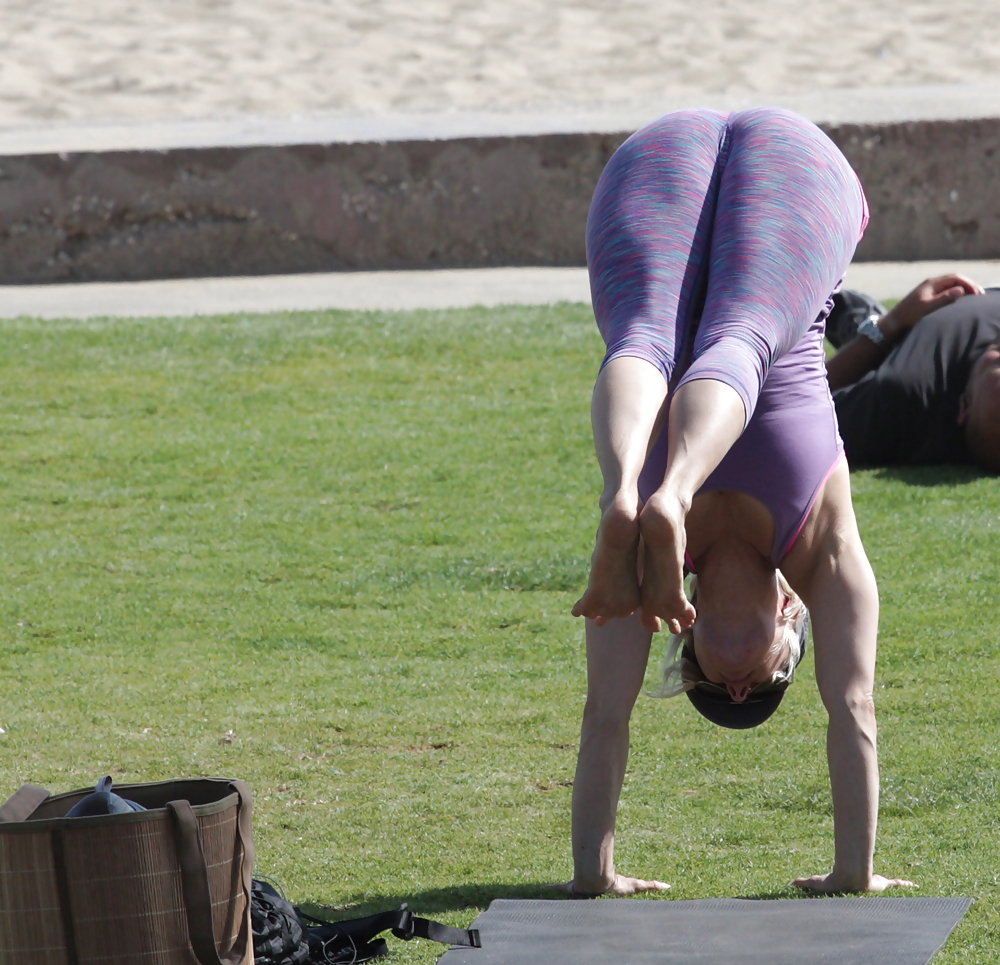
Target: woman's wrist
pixel 598 885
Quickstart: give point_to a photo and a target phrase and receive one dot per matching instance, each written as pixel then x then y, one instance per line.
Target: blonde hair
pixel 680 673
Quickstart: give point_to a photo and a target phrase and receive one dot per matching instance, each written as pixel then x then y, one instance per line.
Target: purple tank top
pixel 788 450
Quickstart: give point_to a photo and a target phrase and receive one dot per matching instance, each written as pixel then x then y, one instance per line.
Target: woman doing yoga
pixel 715 243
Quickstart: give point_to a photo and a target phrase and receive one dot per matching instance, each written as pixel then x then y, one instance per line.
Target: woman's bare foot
pixel 613 590
pixel 661 524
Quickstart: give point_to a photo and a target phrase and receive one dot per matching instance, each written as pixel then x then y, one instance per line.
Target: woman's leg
pixel 626 413
pixel 648 239
pixel 706 418
pixel 789 214
pixel 616 663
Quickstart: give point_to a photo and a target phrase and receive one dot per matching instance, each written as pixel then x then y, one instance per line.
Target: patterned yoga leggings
pixel 733 228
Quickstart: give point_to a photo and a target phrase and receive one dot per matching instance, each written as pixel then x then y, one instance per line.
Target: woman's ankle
pixel 671 500
pixel 623 502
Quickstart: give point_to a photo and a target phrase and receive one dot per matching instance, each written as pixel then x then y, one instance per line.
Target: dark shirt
pixel 905 412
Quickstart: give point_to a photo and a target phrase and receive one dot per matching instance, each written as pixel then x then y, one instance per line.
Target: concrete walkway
pixel 387 290
pixel 853 105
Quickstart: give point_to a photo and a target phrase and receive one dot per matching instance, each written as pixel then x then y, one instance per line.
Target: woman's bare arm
pixel 842 598
pixel 617 653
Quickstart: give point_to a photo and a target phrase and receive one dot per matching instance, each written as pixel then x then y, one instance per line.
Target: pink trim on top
pixel 865 212
pixel 841 456
pixel 689 561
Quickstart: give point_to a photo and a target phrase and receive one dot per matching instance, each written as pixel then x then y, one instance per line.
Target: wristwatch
pixel 869 328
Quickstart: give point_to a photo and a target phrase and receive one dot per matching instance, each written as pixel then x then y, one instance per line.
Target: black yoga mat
pixel 622 931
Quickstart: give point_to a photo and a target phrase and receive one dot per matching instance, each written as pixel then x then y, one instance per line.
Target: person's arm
pixel 617 654
pixel 861 355
pixel 843 602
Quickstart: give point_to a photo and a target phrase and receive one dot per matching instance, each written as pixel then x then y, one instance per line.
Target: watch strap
pixel 870 330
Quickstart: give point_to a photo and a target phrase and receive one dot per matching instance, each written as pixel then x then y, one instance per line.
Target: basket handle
pixel 194 881
pixel 22 803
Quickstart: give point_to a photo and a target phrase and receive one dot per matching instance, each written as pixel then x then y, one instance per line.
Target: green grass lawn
pixel 352 541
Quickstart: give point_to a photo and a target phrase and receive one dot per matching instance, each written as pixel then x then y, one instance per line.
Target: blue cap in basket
pixel 102 801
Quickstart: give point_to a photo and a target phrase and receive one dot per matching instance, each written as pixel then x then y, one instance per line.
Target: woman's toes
pixel 684 611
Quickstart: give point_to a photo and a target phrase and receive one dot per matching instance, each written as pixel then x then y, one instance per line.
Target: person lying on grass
pixel 920 384
pixel 714 244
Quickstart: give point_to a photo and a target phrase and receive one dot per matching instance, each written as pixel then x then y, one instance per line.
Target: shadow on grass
pixel 435 901
pixel 933 475
pixel 790 892
pixel 476 898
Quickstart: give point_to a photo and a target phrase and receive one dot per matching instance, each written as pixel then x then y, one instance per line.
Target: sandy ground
pixel 96 59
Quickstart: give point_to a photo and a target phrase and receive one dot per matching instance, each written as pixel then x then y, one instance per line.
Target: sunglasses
pixel 758 692
pixel 766 688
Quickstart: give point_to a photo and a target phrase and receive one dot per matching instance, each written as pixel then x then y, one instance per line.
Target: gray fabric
pixel 623 931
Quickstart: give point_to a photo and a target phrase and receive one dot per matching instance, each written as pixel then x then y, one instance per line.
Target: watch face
pixel 869 328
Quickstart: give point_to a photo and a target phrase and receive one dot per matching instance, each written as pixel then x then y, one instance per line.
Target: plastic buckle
pixel 404 930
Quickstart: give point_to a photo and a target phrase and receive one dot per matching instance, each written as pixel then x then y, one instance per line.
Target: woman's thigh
pixel 648 235
pixel 789 215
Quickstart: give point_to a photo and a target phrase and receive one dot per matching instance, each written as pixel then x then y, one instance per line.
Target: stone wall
pixel 933 188
pixel 462 202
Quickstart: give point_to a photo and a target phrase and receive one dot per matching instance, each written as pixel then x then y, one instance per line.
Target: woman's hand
pixel 833 883
pixel 621 886
pixel 928 296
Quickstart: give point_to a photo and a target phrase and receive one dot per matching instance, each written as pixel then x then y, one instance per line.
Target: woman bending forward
pixel 714 244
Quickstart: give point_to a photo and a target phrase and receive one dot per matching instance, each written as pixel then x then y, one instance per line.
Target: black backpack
pixel 286 935
pixel 850 309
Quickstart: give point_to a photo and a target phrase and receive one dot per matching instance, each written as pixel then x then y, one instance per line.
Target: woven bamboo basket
pixel 165 886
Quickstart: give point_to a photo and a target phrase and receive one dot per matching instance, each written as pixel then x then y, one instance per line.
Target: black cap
pixel 721 709
pixel 726 712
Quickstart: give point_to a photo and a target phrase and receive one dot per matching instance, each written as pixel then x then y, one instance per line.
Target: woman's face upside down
pixel 738 632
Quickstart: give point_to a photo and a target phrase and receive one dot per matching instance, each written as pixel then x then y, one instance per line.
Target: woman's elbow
pixel 605 717
pixel 854 709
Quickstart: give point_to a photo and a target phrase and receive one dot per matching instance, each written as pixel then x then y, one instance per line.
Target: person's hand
pixel 833 883
pixel 928 296
pixel 621 886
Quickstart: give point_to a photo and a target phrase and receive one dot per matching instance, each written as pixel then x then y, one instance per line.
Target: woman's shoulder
pixel 829 530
